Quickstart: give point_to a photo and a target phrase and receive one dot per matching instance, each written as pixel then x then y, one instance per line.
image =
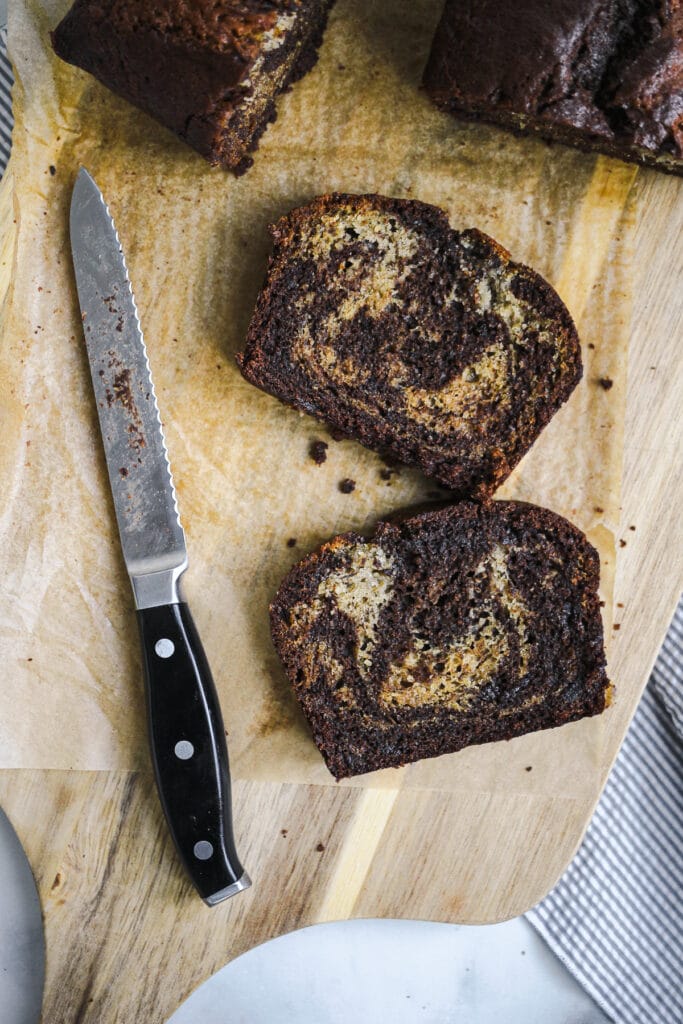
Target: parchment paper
pixel 196 244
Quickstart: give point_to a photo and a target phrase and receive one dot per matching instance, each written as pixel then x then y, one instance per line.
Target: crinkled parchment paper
pixel 196 244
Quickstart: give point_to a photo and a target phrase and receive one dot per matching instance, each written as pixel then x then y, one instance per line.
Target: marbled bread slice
pixel 428 344
pixel 472 623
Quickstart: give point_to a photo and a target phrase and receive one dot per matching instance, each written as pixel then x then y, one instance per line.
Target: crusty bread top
pixel 426 343
pixel 608 75
pixel 209 69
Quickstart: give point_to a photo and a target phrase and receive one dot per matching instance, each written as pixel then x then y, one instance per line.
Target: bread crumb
pixel 318 452
pixel 617 625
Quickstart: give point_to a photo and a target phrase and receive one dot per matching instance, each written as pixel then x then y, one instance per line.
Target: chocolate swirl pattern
pixel 417 340
pixel 459 626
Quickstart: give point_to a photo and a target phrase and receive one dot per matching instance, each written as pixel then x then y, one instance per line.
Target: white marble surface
pixel 405 972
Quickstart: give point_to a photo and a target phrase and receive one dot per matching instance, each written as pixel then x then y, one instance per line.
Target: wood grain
pixel 128 940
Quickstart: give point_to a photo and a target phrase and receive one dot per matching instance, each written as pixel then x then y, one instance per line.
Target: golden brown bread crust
pixel 209 70
pixel 427 344
pixel 459 626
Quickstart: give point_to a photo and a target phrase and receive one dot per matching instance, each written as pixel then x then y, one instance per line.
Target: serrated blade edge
pixel 139 470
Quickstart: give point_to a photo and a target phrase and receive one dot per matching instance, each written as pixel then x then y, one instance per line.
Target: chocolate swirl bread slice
pixel 458 626
pixel 209 70
pixel 428 344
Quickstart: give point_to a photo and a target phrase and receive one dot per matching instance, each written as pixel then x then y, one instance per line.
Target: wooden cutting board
pixel 127 939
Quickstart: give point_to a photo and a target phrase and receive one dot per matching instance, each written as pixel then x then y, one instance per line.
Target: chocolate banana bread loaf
pixel 427 344
pixel 459 626
pixel 208 69
pixel 604 75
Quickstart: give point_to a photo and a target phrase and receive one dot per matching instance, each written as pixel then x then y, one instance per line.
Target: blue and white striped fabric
pixel 616 917
pixel 6 120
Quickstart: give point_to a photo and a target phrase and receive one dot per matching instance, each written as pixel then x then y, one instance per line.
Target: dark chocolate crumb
pixel 318 451
pixel 598 510
pixel 123 472
pixel 283 831
pixel 591 345
pixel 606 383
pixel 53 170
pixel 620 604
pixel 29 659
pixel 347 485
pixel 386 474
pixel 320 848
pixel 243 166
pixel 631 527
pixel 57 881
pixel 291 543
pixel 617 625
pixel 602 604
pixel 528 768
pixel 622 543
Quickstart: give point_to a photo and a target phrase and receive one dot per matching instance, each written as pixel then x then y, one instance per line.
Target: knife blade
pixel 185 726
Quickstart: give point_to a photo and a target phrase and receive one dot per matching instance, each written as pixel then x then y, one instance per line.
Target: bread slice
pixel 427 344
pixel 210 70
pixel 473 623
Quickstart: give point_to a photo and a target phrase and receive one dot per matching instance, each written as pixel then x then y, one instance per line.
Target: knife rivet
pixel 184 750
pixel 203 850
pixel 164 648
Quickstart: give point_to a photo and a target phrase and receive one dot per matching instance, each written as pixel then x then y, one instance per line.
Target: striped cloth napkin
pixel 615 919
pixel 6 121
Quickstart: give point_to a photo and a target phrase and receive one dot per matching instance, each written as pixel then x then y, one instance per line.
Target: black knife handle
pixel 189 751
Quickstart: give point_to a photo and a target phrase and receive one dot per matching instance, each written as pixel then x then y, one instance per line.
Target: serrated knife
pixel 185 726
